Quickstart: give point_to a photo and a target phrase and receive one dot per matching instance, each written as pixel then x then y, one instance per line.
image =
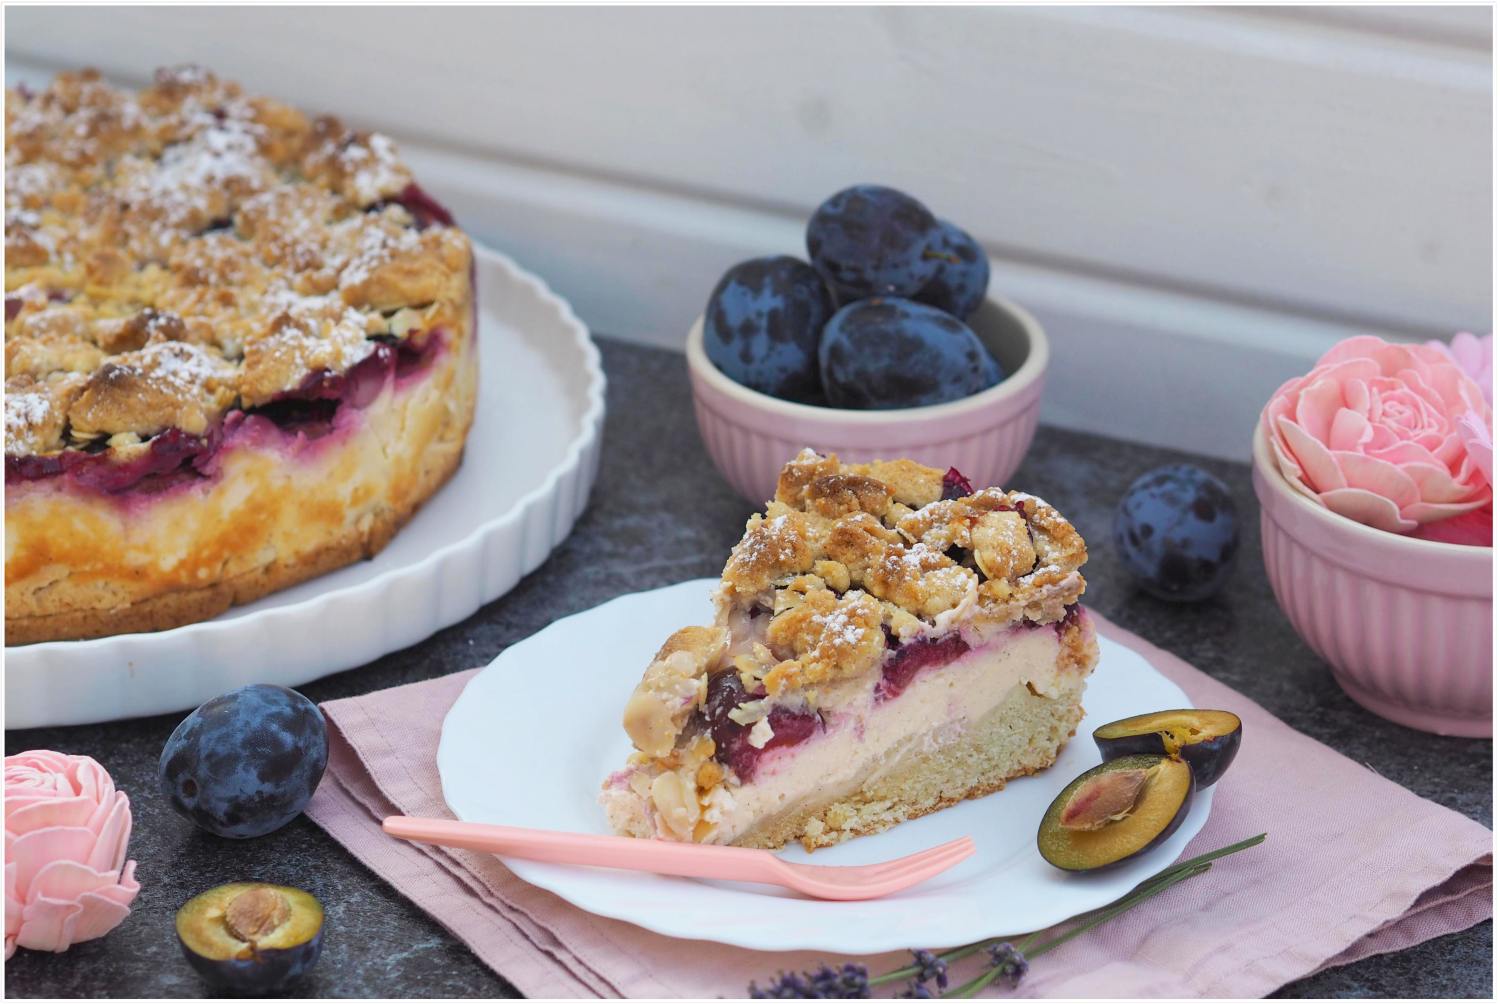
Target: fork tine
pixel 940 857
pixel 962 847
pixel 931 864
pixel 858 883
pixel 925 867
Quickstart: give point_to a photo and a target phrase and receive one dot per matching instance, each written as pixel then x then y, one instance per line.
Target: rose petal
pixel 1431 512
pixel 12 902
pixel 31 852
pixel 100 915
pixel 1289 469
pixel 109 850
pixel 1357 396
pixel 1358 348
pixel 1316 407
pixel 1367 508
pixel 1319 469
pixel 1475 434
pixel 50 812
pixel 1437 484
pixel 45 923
pixel 68 880
pixel 1386 480
pixel 1404 452
pixel 1349 430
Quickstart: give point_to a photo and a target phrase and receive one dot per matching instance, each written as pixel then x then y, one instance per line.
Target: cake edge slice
pixel 847 567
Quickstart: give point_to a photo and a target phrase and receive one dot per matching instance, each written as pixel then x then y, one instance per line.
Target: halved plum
pixel 250 936
pixel 1205 738
pixel 1115 811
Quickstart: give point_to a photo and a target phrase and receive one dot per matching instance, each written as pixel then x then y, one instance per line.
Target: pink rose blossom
pixel 66 829
pixel 1374 433
pixel 1475 357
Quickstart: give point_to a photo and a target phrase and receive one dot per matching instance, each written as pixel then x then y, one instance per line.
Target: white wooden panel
pixel 1333 172
pixel 1446 24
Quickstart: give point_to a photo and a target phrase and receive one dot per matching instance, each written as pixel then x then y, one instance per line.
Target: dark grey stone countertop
pixel 660 514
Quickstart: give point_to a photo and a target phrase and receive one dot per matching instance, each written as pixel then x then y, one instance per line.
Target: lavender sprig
pixel 1007 961
pixel 823 983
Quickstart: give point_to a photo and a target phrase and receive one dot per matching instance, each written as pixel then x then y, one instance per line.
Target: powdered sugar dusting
pixel 374 172
pixel 771 542
pixel 323 332
pixel 182 366
pixel 24 412
pixel 374 249
pixel 914 558
pixel 839 627
pixel 28 182
pixel 190 174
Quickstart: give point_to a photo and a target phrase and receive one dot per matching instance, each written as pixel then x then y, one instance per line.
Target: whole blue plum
pixel 1177 532
pixel 870 240
pixel 245 763
pixel 762 325
pixel 893 353
pixel 963 272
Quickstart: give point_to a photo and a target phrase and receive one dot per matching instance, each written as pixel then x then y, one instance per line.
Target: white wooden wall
pixel 1195 201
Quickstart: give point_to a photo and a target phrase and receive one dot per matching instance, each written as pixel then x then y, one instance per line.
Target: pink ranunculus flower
pixel 1475 356
pixel 66 829
pixel 1373 433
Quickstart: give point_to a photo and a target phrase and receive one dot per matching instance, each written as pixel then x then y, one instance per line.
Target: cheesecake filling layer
pixel 868 732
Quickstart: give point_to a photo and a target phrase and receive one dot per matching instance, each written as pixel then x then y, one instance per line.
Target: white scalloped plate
pixel 527 471
pixel 532 736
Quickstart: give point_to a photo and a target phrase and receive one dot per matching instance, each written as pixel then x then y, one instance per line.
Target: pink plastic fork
pixel 664 857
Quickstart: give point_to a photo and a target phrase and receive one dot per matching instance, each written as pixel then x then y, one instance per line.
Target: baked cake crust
pixel 849 565
pixel 239 351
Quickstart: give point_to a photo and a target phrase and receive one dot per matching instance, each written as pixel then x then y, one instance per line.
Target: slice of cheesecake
pixel 886 642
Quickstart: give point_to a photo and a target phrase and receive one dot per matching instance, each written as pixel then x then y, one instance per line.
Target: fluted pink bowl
pixel 750 435
pixel 1405 624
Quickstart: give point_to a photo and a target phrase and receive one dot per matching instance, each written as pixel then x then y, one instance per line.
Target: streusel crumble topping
pixel 185 250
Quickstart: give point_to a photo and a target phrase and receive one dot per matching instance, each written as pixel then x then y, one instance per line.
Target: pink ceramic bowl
pixel 751 435
pixel 1404 623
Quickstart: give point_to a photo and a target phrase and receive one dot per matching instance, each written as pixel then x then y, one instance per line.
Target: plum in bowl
pixel 749 434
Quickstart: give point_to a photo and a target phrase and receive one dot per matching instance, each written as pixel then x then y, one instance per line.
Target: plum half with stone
pixel 1115 811
pixel 251 937
pixel 1207 739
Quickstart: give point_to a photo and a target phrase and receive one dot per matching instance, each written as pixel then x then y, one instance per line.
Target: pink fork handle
pixel 735 864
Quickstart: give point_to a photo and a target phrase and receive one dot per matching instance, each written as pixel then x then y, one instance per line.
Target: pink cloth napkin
pixel 1354 866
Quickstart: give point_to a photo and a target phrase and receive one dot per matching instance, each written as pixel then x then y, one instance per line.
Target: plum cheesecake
pixel 887 641
pixel 239 351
